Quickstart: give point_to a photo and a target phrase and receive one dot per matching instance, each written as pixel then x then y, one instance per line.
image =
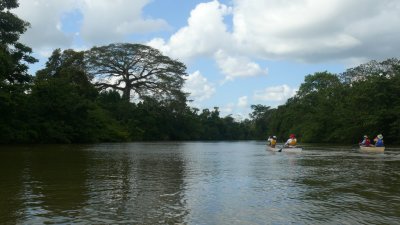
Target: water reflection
pixel 351 187
pixel 233 183
pixel 42 184
pixel 196 183
pixel 136 183
pixel 11 173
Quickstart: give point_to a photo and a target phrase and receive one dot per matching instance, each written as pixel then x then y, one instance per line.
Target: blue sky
pixel 238 52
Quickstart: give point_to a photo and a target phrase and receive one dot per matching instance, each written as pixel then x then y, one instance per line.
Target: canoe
pixel 372 149
pixel 276 149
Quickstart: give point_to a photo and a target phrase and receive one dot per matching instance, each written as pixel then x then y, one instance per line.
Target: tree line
pixel 132 92
pixel 340 108
pixel 117 92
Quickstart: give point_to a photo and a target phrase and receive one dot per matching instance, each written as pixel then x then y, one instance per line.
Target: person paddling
pixel 273 141
pixel 291 142
pixel 269 140
pixel 379 141
pixel 365 142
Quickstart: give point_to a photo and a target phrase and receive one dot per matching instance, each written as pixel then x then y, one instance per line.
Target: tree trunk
pixel 126 95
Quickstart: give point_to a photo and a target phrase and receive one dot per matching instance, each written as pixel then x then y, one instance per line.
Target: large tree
pixel 136 70
pixel 13 55
pixel 14 76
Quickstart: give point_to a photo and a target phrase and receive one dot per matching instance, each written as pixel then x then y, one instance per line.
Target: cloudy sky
pixel 238 52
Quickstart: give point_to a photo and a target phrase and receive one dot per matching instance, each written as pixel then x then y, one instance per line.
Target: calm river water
pixel 197 183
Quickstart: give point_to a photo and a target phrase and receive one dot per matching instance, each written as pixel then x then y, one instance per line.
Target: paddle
pixel 280 150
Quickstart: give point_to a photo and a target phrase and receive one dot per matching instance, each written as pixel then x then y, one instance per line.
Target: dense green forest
pixel 339 108
pixel 132 92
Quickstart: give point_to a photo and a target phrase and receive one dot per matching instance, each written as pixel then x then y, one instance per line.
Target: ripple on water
pixel 201 183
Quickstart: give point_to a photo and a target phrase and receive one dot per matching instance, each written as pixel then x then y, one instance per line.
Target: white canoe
pixel 372 149
pixel 277 149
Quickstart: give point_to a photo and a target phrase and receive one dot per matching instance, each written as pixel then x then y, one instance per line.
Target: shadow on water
pixel 105 184
pixel 42 184
pixel 11 188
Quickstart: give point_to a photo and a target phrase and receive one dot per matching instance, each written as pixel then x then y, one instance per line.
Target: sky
pixel 238 53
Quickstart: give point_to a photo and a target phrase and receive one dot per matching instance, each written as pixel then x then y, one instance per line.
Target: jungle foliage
pixel 341 108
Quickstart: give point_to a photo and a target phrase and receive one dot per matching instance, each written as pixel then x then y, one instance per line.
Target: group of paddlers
pixel 378 141
pixel 290 143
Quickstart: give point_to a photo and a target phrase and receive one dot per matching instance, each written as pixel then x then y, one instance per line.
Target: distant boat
pixel 372 149
pixel 278 149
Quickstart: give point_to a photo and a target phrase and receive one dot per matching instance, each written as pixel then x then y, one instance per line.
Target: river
pixel 197 183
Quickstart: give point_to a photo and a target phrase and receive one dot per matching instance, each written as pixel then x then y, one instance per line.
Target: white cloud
pixel 276 94
pixel 205 33
pixel 237 66
pixel 103 21
pixel 238 111
pixel 227 109
pixel 306 30
pixel 242 102
pixel 314 30
pixel 159 44
pixel 198 87
pixel 110 21
pixel 44 16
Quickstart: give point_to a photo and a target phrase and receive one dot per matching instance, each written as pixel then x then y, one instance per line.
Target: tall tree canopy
pixel 64 107
pixel 14 75
pixel 136 68
pixel 386 68
pixel 341 108
pixel 13 54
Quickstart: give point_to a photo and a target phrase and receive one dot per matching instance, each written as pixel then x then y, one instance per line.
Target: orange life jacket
pixel 293 142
